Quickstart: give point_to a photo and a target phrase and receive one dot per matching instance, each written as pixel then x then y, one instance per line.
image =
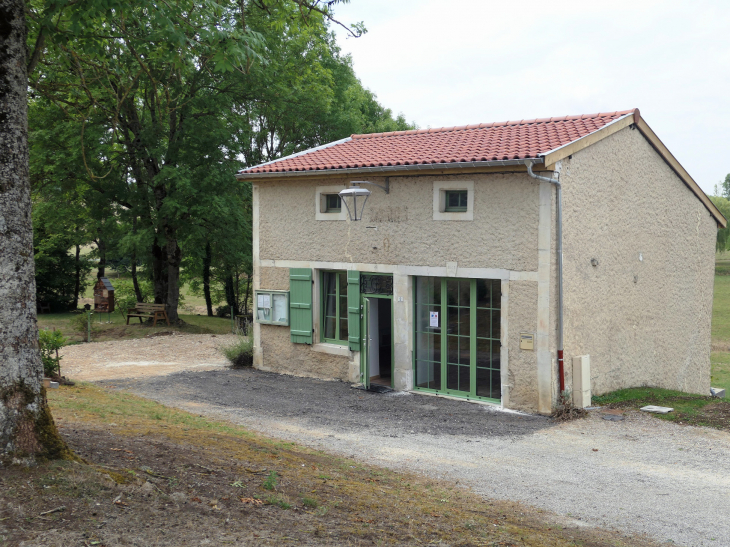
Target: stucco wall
pixel 643 313
pixel 274 279
pixel 280 355
pixel 522 364
pixel 398 228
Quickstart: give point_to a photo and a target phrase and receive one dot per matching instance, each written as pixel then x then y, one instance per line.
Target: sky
pixel 457 62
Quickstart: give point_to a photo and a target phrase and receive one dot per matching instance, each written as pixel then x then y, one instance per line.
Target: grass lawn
pixel 720 357
pixel 117 329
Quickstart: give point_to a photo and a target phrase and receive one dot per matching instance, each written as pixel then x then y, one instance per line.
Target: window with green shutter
pixel 334 307
pixel 300 305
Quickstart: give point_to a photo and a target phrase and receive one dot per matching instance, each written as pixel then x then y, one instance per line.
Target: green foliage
pixel 124 295
pixel 50 341
pixel 56 270
pixel 239 353
pixel 142 112
pixel 723 234
pixel 270 481
pixel 80 324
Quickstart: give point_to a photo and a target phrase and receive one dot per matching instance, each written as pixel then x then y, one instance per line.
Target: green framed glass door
pixel 457 337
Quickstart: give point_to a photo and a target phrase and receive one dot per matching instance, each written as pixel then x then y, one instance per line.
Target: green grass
pixel 720 356
pixel 117 329
pixel 687 407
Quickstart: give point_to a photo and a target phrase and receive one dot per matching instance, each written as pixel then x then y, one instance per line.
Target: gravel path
pixel 640 475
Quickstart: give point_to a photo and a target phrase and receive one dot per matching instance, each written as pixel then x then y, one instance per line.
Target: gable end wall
pixel 643 313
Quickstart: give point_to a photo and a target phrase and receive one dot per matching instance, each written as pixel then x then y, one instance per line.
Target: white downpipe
pixel 559 235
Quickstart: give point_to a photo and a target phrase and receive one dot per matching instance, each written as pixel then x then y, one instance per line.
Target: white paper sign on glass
pixel 434 319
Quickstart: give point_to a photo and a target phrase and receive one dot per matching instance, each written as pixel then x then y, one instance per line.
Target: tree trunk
pixel 174 257
pixel 27 429
pixel 159 272
pixel 101 245
pixel 135 281
pixel 207 259
pixel 248 289
pixel 77 286
pixel 230 292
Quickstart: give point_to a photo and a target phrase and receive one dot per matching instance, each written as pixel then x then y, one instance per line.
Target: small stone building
pixel 451 282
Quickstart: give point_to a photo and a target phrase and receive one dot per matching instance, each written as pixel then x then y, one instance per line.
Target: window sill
pixel 332 349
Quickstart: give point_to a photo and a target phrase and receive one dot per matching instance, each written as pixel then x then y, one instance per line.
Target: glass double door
pixel 457 338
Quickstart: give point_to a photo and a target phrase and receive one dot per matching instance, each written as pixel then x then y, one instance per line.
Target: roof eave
pixel 419 167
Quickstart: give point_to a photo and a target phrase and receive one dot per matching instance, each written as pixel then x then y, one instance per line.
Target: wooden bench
pixel 148 311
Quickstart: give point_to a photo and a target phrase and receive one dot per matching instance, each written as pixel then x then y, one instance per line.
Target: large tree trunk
pixel 159 272
pixel 174 257
pixel 27 429
pixel 207 259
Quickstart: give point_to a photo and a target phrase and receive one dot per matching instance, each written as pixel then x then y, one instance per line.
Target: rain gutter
pixel 419 167
pixel 559 221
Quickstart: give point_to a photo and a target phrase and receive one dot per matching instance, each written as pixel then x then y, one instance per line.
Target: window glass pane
pixel 452 292
pixel 464 292
pixel 464 321
pixel 456 200
pixel 428 290
pixel 483 352
pixel 452 320
pixel 343 329
pixel 495 325
pixel 428 347
pixel 333 203
pixel 423 317
pixel 464 380
pixel 452 349
pixel 428 375
pixel 464 347
pixel 488 384
pixel 496 294
pixel 279 307
pixel 452 377
pixel 484 318
pixel 483 290
pixel 329 327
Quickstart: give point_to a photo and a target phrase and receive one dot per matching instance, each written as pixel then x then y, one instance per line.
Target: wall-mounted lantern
pixel 355 194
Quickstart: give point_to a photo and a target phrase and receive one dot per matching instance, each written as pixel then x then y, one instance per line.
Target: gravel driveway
pixel 640 475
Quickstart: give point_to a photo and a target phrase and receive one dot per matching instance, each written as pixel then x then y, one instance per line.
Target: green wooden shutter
pixel 353 309
pixel 300 305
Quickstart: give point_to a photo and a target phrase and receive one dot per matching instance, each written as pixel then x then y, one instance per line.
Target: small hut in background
pixel 103 296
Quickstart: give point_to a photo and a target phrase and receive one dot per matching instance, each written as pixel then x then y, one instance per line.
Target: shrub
pixel 50 341
pixel 79 324
pixel 240 353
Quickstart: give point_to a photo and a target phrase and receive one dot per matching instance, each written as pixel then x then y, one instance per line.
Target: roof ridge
pixel 492 124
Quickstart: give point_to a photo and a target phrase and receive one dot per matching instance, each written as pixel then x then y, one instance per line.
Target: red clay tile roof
pixel 468 143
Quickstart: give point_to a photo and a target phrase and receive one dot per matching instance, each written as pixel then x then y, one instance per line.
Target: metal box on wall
pixel 103 296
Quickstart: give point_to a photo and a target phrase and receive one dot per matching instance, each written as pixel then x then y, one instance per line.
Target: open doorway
pixel 379 354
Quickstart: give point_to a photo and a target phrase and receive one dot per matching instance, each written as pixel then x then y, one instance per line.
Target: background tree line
pixel 721 199
pixel 140 115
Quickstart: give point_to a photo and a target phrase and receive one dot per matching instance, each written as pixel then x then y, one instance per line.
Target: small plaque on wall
pixel 527 341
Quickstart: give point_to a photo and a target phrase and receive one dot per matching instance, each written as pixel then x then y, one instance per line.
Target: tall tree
pixel 27 429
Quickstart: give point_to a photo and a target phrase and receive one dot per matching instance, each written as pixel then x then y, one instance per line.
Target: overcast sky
pixel 472 61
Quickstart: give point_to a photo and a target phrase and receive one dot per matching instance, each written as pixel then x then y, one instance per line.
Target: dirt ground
pixel 156 355
pixel 162 477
